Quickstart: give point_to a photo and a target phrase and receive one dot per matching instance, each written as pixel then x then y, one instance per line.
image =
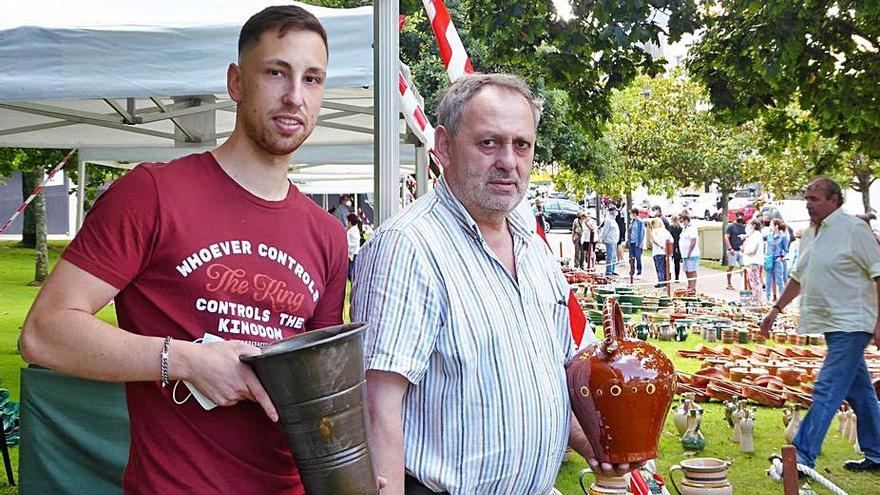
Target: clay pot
pixel 761 350
pixel 604 485
pixel 737 374
pixel 791 376
pixel 616 383
pixel 700 378
pixel 779 338
pixel 722 391
pixel 791 338
pixel 702 476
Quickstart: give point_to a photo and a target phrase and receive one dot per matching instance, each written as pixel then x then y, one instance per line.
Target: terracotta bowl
pixel 792 376
pixel 721 391
pixel 767 398
pixel 766 380
pixel 737 374
pixel 700 378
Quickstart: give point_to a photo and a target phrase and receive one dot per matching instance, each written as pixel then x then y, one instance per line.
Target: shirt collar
pixel 521 225
pixel 834 217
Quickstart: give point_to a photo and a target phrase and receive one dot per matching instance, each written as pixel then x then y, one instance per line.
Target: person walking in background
pixel 610 237
pixel 690 250
pixel 838 278
pixel 675 231
pixel 343 209
pixel 753 258
pixel 774 267
pixel 733 239
pixel 636 239
pixel 588 240
pixel 791 257
pixel 355 234
pixel 659 237
pixel 540 216
pixel 577 232
pixel 621 229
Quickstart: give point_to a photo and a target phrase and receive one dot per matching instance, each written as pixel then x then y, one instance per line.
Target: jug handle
pixel 672 469
pixel 613 323
pixel 583 473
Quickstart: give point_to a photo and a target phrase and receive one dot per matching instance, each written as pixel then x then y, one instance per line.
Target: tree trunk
pixel 864 179
pixel 29 182
pixel 724 205
pixel 38 206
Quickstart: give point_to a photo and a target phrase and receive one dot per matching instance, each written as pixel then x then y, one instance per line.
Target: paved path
pixel 710 282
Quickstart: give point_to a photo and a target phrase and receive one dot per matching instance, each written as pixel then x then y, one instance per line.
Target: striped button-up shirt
pixel 836 270
pixel 487 411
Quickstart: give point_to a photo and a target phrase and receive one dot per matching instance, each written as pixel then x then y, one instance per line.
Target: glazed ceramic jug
pixel 693 438
pixel 604 485
pixel 679 418
pixel 617 383
pixel 702 476
pixel 747 428
pixel 794 422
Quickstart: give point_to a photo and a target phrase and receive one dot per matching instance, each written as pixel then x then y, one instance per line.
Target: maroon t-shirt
pixel 192 252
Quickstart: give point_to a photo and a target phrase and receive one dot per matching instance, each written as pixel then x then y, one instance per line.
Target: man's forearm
pixel 385 392
pixel 792 289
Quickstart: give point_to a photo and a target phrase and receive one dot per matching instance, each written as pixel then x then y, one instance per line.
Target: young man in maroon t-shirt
pixel 218 244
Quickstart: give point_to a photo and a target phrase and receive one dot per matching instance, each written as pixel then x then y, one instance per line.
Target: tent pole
pixel 80 193
pixel 421 170
pixel 386 124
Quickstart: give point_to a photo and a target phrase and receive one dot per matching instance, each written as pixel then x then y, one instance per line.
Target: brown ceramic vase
pixel 616 383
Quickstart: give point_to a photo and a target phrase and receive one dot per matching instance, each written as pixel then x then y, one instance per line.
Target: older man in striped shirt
pixel 469 331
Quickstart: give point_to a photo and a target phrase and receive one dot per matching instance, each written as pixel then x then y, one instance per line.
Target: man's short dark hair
pixel 829 187
pixel 281 17
pixel 740 214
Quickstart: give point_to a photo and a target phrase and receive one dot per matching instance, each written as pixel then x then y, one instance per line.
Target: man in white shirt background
pixel 837 277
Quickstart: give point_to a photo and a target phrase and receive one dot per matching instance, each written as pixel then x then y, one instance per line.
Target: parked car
pixel 792 211
pixel 744 205
pixel 699 205
pixel 560 213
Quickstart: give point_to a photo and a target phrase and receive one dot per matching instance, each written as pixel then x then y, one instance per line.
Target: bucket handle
pixel 672 469
pixel 583 473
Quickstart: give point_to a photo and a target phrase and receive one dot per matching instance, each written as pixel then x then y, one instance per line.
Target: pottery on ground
pixel 702 476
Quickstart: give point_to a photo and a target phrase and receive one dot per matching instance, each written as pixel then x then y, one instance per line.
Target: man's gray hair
pixel 829 187
pixel 456 97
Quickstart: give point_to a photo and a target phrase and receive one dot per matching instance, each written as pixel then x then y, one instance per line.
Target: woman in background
pixel 675 231
pixel 355 234
pixel 753 258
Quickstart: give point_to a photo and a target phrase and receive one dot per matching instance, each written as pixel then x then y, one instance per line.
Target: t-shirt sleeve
pixel 865 249
pixel 120 230
pixel 328 310
pixel 395 293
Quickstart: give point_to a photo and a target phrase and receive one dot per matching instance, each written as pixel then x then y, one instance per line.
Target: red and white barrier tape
pixel 413 113
pixel 452 51
pixel 37 191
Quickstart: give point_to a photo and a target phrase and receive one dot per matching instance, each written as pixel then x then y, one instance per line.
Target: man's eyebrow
pixel 277 61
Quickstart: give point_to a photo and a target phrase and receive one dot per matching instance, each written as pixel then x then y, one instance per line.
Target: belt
pixel 412 486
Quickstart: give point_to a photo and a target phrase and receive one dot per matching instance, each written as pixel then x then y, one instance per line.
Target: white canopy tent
pixel 125 84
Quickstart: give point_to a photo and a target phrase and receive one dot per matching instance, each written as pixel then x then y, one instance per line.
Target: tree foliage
pixel 757 57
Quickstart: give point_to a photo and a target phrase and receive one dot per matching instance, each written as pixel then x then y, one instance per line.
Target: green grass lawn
pixel 746 472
